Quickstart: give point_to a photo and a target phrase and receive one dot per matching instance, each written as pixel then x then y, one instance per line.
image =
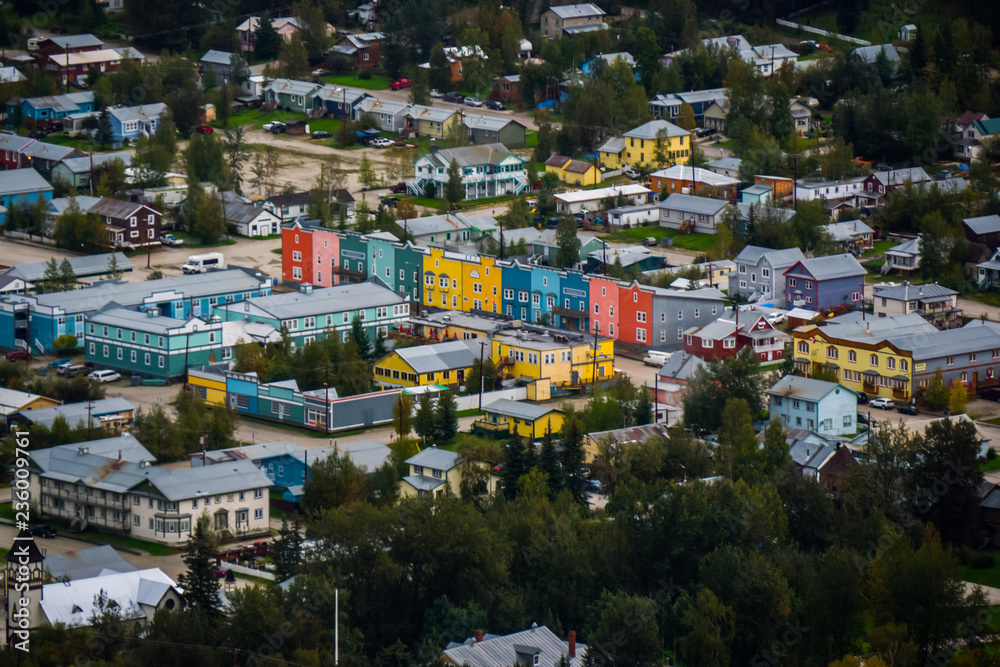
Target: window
pixel 972 357
pixel 852 356
pixel 890 363
pixel 640 335
pixel 950 361
pixel 848 422
pixel 791 282
pixel 831 353
pixel 640 316
pixel 809 284
pixel 803 347
pixel 258 493
pixel 873 360
pixel 259 513
pixel 904 365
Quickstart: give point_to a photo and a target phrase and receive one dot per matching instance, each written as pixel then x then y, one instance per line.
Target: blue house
pixel 339 101
pixel 835 281
pixel 133 122
pixel 826 408
pixel 51 106
pixel 22 188
pixel 517 292
pixel 588 66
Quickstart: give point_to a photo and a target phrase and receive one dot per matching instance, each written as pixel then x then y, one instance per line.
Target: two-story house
pixel 881 183
pixel 733 331
pixel 128 223
pixel 438 472
pixel 220 64
pixel 967 135
pixel 364 49
pixel 854 235
pixel 433 122
pixel 835 281
pixel 826 408
pixel 491 129
pixel 571 19
pixel 690 213
pixel 984 229
pixel 528 420
pixel 904 258
pixel 840 192
pixel 658 143
pixel 487 170
pixel 693 181
pixel 760 273
pixel 769 58
pixel 507 88
pixel 446 364
pixel 936 304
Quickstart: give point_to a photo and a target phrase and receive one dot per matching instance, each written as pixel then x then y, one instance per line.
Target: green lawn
pixel 695 242
pixel 990 466
pixel 985 577
pixel 257 118
pixel 376 82
pixel 530 139
pixel 7 511
pixel 151 548
pixel 80 143
pixel 191 241
pixel 472 412
pixel 878 248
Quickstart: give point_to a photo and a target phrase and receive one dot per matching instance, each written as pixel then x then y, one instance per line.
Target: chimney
pixel 478 634
pixel 571 640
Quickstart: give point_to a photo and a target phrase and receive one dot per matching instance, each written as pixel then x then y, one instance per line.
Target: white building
pixel 592 200
pixel 769 58
pixel 112 485
pixel 487 170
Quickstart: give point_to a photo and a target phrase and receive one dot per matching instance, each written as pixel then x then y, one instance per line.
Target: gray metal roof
pixel 216 57
pixel 833 266
pixel 437 357
pixel 136 320
pixel 82 165
pixel 613 145
pixel 133 294
pixel 433 457
pixel 488 123
pixel 868 54
pixel 76 41
pixel 726 163
pixel 321 301
pixel 752 254
pixel 76 413
pixel 911 247
pixel 88 265
pixel 693 204
pixel 649 130
pixel 900 176
pixel 86 563
pixel 519 409
pixel 582 10
pixel 66 103
pixel 291 87
pixel 806 389
pixel 908 292
pixel 22 181
pixel 950 342
pixel 449 222
pixel 680 366
pixel 470 156
pixel 140 112
pixel 984 224
pixel 434 114
pixel 844 231
pixel 202 481
pixel 516 649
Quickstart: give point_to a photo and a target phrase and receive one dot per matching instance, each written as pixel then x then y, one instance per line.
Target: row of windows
pixel 397 375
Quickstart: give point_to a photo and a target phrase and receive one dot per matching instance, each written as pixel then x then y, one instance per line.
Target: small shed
pixel 206 113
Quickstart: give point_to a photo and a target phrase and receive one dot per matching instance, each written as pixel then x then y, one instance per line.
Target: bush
pixel 66 344
pixel 991 454
pixel 364 75
pixel 982 560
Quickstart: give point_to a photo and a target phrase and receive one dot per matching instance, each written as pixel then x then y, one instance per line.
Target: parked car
pixel 862 418
pixel 496 105
pixel 649 241
pixel 990 394
pixel 883 166
pixel 321 134
pixel 389 202
pixel 473 102
pixel 883 403
pixel 58 29
pixel 38 134
pixel 704 132
pixel 776 318
pixel 399 84
pixel 862 398
pixel 552 222
pixel 42 530
pixel 593 485
pixel 267 127
pixel 204 129
pixel 277 127
pixel 824 47
pixel 908 409
pixel 942 175
pixel 71 370
pixel 320 72
pixel 171 240
pixel 381 142
pixel 656 358
pixel 19 355
pixel 398 188
pixel 436 94
pixel 632 173
pixel 454 98
pixel 104 376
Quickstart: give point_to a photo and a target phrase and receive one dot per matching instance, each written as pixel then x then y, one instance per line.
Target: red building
pixel 507 88
pixel 732 332
pixel 61 44
pixel 296 253
pixel 129 223
pixel 635 319
pixel 365 49
pixel 70 67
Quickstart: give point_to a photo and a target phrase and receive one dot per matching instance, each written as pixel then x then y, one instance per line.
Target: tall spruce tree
pixel 201 586
pixel 446 417
pixel 515 467
pixel 548 463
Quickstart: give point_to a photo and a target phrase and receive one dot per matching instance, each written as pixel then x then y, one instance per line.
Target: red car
pixel 204 129
pixel 17 355
pixel 399 84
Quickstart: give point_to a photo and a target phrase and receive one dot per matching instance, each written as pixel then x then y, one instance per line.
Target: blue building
pixel 133 122
pixel 51 106
pixel 835 281
pixel 826 408
pixel 517 291
pixel 22 188
pixel 39 319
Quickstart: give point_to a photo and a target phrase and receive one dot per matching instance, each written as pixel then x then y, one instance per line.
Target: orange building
pixel 781 188
pixel 693 181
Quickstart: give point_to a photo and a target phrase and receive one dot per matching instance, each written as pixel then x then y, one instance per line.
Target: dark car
pixel 389 202
pixel 883 166
pixel 454 98
pixel 18 355
pixel 321 134
pixel 862 398
pixel 552 222
pixel 42 530
pixel 908 409
pixel 58 29
pixel 862 418
pixel 496 105
pixel 38 134
pixel 705 132
pixel 990 394
pixel 398 188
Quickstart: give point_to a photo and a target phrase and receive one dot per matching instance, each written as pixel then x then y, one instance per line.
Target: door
pixel 461 376
pixel 975 379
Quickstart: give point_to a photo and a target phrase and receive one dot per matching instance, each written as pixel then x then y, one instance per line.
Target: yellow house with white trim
pixel 446 364
pixel 435 472
pixel 461 282
pixel 566 360
pixel 573 172
pixel 639 146
pixel 530 421
pixel 481 281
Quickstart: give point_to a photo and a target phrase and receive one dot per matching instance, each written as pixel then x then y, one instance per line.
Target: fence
pixel 472 401
pixel 241 569
pixel 820 31
pixel 34 238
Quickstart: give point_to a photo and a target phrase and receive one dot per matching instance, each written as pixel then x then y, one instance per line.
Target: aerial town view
pixel 452 333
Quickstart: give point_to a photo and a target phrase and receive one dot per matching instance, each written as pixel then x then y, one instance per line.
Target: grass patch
pixel 878 248
pixel 472 412
pixel 258 118
pixel 276 251
pixel 376 82
pixel 695 242
pixel 7 511
pixel 191 241
pixel 530 139
pixel 996 422
pixel 984 577
pixel 988 465
pixel 151 548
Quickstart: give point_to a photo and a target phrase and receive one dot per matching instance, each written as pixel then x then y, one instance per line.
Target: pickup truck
pixel 399 84
pixel 274 127
pixel 171 240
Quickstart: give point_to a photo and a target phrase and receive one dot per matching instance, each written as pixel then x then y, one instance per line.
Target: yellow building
pixel 211 387
pixel 438 472
pixel 461 282
pixel 874 366
pixel 530 421
pixel 574 172
pixel 434 122
pixel 565 359
pixel 655 144
pixel 445 364
pixel 481 282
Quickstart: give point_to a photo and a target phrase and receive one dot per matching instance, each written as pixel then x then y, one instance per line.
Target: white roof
pixel 73 603
pixel 629 190
pixel 577 11
pixel 697 174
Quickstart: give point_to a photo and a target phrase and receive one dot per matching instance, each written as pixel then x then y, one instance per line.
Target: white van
pixel 202 263
pixel 656 358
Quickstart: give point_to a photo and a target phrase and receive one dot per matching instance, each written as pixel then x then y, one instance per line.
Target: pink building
pixel 604 305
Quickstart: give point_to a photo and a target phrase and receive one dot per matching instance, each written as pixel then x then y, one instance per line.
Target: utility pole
pixel 482 345
pixel 90 406
pixel 326 397
pixel 597 328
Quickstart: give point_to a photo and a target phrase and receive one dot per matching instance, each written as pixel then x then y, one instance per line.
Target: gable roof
pixel 141 112
pixel 984 224
pixel 117 209
pixel 433 457
pixel 806 389
pixel 908 292
pixel 517 648
pixel 22 181
pixel 900 176
pixel 437 357
pixel 728 163
pixel 82 165
pixel 845 231
pixel 680 366
pixel 752 254
pixel 77 413
pixel 470 156
pixel 831 267
pixel 86 563
pixel 74 603
pixel 650 129
pixel 75 41
pixel 66 103
pixel 519 409
pixel 680 172
pixel 868 54
pixel 420 112
pixel 291 87
pixel 216 57
pixel 326 300
pixel 83 266
pixel 582 10
pixel 987 127
pixel 694 204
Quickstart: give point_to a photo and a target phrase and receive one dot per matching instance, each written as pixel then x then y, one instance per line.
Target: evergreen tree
pixel 642 408
pixel 379 350
pixel 957 399
pixel 51 281
pixel 736 455
pixel 568 250
pixel 454 191
pixel 294 58
pixel 366 173
pixel 424 422
pixel 548 463
pixel 515 467
pixel 574 456
pixel 104 133
pixel 287 550
pixel 446 417
pixel 440 69
pixel 114 271
pixel 775 453
pixel 360 338
pixel 209 220
pixel 201 586
pixel 266 40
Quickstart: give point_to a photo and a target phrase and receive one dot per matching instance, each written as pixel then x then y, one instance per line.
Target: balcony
pixel 80 496
pixel 348 273
pixel 493 428
pixel 569 312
